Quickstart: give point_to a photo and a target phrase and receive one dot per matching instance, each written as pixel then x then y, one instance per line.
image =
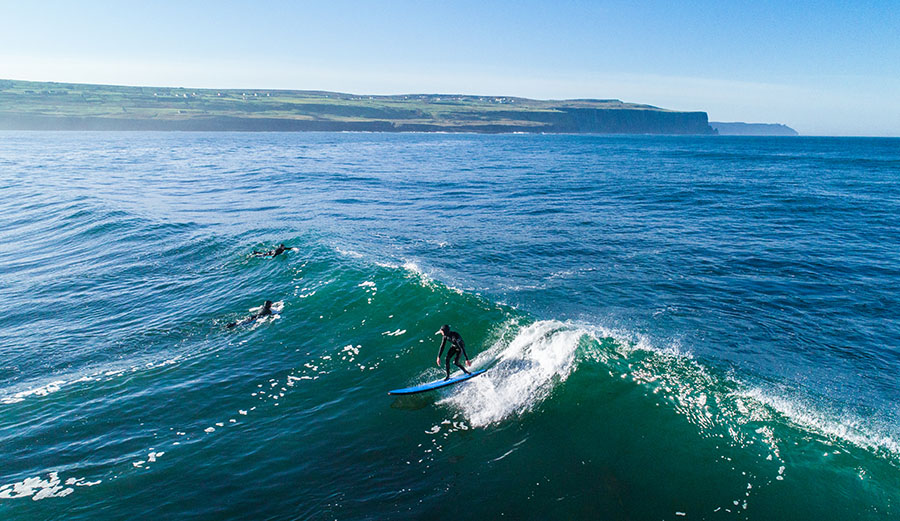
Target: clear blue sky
pixel 824 68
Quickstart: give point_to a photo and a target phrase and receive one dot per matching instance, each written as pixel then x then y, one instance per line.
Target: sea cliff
pixel 67 106
pixel 752 129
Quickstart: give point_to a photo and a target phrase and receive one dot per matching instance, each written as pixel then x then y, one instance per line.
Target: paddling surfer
pixel 265 311
pixel 272 253
pixel 457 347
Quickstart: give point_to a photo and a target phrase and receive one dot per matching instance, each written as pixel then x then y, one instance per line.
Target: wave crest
pixel 539 357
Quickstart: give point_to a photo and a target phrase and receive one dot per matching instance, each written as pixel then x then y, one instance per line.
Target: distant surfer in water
pixel 265 311
pixel 457 347
pixel 272 253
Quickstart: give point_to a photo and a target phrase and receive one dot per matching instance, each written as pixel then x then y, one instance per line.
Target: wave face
pixel 673 327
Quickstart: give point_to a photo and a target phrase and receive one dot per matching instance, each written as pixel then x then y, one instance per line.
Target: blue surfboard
pixel 437 384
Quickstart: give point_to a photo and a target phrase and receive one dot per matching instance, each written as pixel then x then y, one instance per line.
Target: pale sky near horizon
pixel 823 68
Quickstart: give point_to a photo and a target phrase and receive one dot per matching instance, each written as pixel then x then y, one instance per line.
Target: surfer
pixel 272 253
pixel 457 347
pixel 265 311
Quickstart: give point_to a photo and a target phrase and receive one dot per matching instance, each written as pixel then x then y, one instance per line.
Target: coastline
pixel 64 106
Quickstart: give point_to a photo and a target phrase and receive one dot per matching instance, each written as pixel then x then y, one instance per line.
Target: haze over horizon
pixel 820 68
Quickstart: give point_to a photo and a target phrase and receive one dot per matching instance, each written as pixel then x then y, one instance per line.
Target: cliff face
pixel 572 121
pixel 619 121
pixel 588 121
pixel 54 106
pixel 753 129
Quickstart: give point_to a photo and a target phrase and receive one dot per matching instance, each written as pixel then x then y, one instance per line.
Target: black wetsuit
pixel 272 253
pixel 457 347
pixel 265 311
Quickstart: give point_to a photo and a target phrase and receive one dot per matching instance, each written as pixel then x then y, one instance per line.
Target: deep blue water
pixel 674 327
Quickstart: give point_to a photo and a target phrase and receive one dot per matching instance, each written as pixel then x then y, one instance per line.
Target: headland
pixel 26 105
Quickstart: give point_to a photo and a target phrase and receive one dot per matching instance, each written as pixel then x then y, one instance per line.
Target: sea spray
pixel 522 373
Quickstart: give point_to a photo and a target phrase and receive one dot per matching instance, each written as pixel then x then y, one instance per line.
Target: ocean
pixel 672 327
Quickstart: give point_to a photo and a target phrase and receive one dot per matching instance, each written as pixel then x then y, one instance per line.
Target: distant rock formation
pixel 752 129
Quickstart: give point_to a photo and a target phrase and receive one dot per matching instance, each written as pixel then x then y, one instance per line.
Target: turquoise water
pixel 674 327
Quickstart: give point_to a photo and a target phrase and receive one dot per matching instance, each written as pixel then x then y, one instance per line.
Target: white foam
pixel 56 385
pixel 412 267
pixel 43 390
pixel 845 427
pixel 370 288
pixel 348 253
pixel 80 482
pixel 36 488
pixel 277 307
pixel 528 368
pixel 425 279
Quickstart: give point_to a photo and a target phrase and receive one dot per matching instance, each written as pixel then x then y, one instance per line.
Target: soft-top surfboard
pixel 437 384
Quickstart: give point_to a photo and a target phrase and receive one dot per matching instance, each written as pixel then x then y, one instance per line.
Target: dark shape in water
pixel 265 311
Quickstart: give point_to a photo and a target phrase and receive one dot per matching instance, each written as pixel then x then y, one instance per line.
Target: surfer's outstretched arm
pixel 462 346
pixel 441 352
pixel 240 322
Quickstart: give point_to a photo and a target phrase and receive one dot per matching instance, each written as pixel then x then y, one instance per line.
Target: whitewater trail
pixel 527 369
